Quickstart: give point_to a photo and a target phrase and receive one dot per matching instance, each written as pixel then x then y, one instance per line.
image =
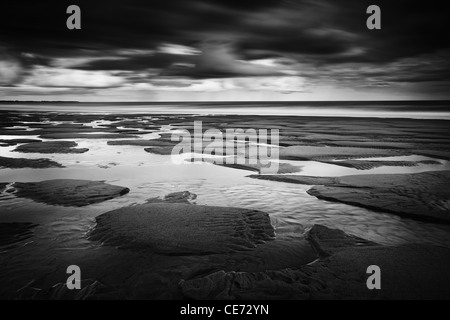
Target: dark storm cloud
pixel 318 33
pixel 138 62
pixel 327 30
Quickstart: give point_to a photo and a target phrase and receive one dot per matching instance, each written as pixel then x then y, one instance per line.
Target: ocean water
pixel 376 109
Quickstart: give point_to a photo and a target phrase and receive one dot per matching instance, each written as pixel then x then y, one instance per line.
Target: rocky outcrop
pixel 69 193
pixel 176 197
pixel 180 197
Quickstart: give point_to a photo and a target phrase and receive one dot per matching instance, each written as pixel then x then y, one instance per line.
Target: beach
pixel 101 190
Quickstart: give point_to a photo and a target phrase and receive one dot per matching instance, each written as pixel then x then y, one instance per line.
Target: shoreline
pixel 326 113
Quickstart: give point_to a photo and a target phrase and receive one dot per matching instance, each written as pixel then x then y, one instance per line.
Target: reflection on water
pixel 150 176
pixel 313 168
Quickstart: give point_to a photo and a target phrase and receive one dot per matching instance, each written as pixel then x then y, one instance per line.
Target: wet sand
pixel 420 196
pixel 114 190
pixel 338 274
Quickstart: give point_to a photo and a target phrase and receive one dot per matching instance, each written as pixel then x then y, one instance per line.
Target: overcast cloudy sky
pixel 166 50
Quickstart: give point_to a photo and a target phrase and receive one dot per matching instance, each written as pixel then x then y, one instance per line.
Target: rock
pixel 69 193
pixel 14 142
pixel 51 147
pixel 183 229
pixel 408 272
pixel 180 197
pixel 12 233
pixel 176 197
pixel 17 163
pixel 3 186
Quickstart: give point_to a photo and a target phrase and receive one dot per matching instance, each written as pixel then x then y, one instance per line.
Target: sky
pixel 224 50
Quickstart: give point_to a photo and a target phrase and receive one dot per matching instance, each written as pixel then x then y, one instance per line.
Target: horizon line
pixel 214 101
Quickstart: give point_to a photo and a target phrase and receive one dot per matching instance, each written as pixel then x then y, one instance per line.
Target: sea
pixel 366 109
